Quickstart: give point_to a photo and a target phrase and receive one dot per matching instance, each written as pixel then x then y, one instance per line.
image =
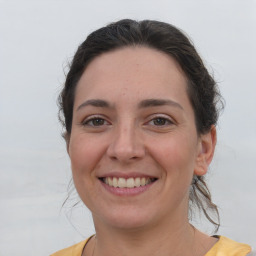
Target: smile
pixel 127 183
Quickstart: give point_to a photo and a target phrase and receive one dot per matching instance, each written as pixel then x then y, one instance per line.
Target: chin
pixel 125 219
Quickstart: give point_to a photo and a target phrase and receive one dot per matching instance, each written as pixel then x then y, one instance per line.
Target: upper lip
pixel 126 175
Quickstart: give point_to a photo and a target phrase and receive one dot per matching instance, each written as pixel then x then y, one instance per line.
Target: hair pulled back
pixel 202 89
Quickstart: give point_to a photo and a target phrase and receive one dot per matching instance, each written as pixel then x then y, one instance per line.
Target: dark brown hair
pixel 202 89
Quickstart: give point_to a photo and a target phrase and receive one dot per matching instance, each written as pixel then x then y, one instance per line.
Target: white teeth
pixel 137 182
pixel 130 183
pixel 110 182
pixel 126 183
pixel 115 184
pixel 121 183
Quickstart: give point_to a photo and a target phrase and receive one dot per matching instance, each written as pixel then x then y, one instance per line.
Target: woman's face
pixel 134 146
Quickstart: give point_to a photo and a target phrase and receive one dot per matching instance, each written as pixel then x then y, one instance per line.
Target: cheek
pixel 85 154
pixel 176 154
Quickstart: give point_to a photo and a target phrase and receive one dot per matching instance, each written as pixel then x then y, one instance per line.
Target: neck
pixel 151 241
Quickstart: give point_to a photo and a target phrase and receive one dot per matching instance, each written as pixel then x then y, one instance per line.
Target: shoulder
pixel 74 250
pixel 228 247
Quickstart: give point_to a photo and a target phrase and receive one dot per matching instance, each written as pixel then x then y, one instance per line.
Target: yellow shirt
pixel 74 250
pixel 224 247
pixel 228 247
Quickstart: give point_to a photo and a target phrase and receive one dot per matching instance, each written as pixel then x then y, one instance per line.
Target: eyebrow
pixel 143 104
pixel 94 103
pixel 158 102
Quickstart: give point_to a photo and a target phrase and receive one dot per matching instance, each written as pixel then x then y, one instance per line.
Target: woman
pixel 140 111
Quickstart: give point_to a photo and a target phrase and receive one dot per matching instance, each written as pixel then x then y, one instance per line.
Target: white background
pixel 37 38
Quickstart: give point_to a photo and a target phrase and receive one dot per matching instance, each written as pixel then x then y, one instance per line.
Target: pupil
pixel 98 121
pixel 159 121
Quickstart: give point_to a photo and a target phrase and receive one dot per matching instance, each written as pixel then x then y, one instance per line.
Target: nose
pixel 126 145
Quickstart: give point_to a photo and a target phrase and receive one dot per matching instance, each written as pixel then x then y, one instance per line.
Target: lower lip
pixel 127 191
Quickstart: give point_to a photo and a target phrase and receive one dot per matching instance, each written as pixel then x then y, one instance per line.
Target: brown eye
pixel 95 122
pixel 160 121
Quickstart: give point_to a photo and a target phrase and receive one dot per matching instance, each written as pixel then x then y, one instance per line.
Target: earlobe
pixel 205 152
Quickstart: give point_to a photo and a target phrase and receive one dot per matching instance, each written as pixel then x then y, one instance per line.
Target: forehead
pixel 135 71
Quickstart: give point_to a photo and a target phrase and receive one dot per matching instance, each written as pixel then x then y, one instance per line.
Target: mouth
pixel 119 182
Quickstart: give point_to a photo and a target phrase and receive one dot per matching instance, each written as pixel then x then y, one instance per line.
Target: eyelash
pixel 89 122
pixel 167 121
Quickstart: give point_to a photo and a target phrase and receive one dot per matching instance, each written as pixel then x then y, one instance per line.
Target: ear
pixel 206 148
